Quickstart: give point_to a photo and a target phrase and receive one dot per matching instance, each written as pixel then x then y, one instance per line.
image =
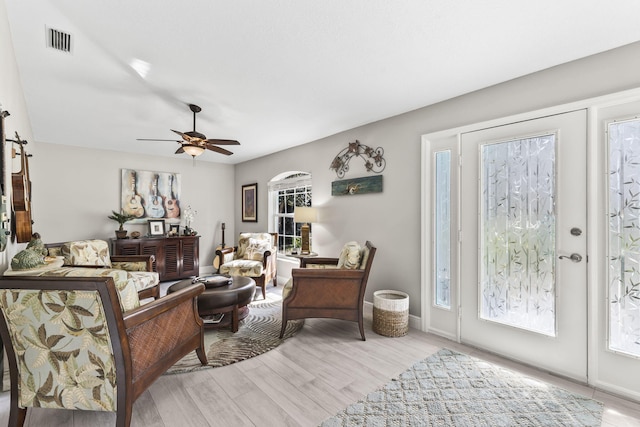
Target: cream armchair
pixel 256 256
pixel 71 344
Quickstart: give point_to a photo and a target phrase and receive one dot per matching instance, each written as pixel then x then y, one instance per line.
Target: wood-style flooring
pixel 307 379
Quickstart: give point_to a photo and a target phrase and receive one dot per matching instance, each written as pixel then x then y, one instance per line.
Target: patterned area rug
pixel 453 389
pixel 258 333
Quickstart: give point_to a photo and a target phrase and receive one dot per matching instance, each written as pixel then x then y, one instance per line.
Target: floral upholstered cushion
pixel 86 252
pixel 242 267
pixel 350 256
pixel 130 265
pixel 144 279
pixel 245 240
pixel 59 335
pixel 364 256
pixel 288 287
pixel 256 249
pixel 55 251
pixel 127 290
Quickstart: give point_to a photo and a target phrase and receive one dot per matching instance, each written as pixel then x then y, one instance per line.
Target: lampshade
pixel 305 214
pixel 192 150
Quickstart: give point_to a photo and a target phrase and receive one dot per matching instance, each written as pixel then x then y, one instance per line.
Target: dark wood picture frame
pixel 174 228
pixel 250 203
pixel 156 227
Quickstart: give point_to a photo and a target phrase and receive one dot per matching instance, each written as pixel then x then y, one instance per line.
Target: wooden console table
pixel 176 257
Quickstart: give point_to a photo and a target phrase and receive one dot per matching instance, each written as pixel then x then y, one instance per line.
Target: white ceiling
pixel 279 73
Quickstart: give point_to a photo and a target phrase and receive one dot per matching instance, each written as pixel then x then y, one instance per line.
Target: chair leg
pixel 17 416
pixel 284 326
pixel 261 283
pixel 361 325
pixel 202 356
pixel 123 415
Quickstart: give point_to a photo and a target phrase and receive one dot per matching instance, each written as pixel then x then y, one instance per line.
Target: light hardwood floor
pixel 307 379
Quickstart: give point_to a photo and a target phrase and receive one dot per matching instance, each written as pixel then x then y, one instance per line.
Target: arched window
pixel 286 191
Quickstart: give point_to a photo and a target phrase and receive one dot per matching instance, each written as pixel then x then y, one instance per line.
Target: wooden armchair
pixel 70 345
pixel 256 256
pixel 334 289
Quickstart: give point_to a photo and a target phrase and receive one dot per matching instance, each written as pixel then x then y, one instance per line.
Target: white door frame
pixel 596 194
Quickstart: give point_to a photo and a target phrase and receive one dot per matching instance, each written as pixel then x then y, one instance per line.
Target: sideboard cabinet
pixel 176 257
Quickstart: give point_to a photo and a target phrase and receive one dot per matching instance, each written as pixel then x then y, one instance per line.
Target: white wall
pixel 12 100
pixel 74 189
pixel 391 219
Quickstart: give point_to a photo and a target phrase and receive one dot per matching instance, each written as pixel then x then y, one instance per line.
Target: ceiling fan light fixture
pixel 193 150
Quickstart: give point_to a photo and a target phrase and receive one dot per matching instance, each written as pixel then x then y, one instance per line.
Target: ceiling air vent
pixel 58 40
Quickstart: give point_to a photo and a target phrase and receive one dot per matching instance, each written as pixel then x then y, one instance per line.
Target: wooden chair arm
pixel 148 259
pixel 226 250
pixel 265 257
pixel 220 254
pixel 152 309
pixel 318 260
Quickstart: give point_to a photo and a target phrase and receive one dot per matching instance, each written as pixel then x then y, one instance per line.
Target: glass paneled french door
pixel 615 353
pixel 523 246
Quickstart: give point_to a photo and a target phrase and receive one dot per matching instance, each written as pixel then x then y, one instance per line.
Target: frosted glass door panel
pixel 518 230
pixel 624 237
pixel 442 230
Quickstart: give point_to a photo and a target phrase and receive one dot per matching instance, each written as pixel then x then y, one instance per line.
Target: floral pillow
pixel 86 252
pixel 350 256
pixel 256 249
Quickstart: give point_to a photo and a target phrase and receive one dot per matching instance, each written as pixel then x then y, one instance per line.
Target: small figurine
pixel 32 256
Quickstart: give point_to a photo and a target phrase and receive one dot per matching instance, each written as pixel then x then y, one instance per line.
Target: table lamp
pixel 305 215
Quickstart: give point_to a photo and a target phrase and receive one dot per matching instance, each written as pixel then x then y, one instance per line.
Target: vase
pixel 121 234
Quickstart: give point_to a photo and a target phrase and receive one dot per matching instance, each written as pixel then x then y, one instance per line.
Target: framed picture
pixel 250 203
pixel 156 227
pixel 174 229
pixel 150 195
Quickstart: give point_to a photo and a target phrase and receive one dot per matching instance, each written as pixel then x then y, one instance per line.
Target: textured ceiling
pixel 274 73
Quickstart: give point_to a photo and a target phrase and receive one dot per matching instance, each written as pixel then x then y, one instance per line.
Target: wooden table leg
pixel 234 319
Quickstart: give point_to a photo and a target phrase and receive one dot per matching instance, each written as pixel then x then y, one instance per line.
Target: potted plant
pixel 121 218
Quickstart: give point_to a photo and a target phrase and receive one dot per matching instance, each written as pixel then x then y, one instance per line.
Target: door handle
pixel 572 257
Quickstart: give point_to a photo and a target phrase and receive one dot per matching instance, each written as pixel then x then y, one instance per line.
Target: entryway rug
pixel 453 389
pixel 258 333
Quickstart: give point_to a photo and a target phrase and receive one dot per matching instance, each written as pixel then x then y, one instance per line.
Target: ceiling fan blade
pixel 179 150
pixel 218 150
pixel 222 141
pixel 145 139
pixel 183 135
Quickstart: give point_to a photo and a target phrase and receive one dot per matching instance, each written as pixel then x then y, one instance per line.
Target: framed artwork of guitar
pixel 132 203
pixel 155 206
pixel 150 195
pixel 171 206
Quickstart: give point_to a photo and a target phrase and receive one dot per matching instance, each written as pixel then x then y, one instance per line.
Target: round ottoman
pixel 222 295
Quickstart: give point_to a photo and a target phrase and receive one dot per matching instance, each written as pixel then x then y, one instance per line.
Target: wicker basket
pixel 390 313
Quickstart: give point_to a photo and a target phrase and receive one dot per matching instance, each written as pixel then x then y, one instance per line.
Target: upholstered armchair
pixel 329 287
pixel 95 253
pixel 256 256
pixel 71 344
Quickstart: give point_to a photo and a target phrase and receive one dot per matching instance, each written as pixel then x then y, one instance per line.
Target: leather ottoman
pixel 223 295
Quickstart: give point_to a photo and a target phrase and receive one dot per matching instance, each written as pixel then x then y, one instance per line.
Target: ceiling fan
pixel 194 143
